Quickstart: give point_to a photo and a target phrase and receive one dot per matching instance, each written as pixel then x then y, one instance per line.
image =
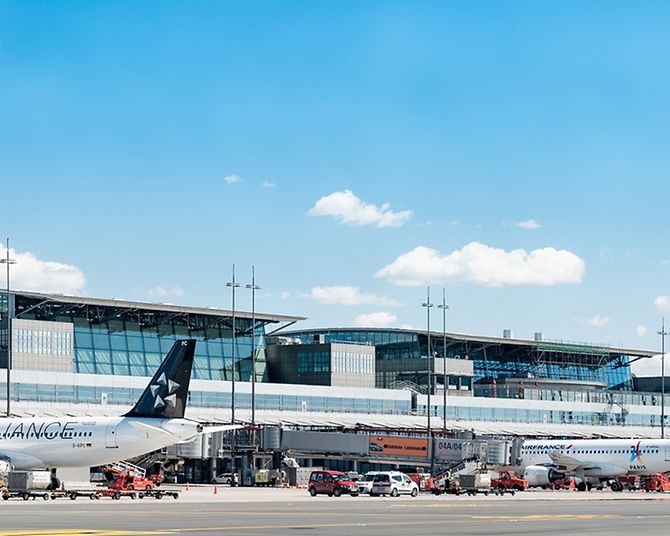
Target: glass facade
pixel 113 341
pixel 89 394
pixel 491 360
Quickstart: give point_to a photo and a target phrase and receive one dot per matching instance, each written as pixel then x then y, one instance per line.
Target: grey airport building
pixel 89 356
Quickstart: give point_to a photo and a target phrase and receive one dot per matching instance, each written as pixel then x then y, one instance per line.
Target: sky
pixel 355 153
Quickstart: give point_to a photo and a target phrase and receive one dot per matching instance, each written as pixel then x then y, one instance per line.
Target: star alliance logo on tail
pixel 168 389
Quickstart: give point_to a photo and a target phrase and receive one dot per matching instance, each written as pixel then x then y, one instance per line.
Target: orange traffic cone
pixel 216 490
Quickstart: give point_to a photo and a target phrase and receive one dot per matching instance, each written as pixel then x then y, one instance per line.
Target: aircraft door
pixel 110 436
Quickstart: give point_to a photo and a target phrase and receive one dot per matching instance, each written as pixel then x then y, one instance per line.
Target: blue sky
pixel 521 146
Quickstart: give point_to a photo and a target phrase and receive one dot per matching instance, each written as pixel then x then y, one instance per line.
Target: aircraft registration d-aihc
pixel 156 421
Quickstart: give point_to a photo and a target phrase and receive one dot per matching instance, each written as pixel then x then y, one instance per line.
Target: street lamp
pixel 445 381
pixel 428 305
pixel 663 333
pixel 233 285
pixel 254 287
pixel 8 261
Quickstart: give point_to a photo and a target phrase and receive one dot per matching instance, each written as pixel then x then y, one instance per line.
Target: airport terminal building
pixel 92 356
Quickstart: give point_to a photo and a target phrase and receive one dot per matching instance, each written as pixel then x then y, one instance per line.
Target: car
pixel 331 483
pixel 365 482
pixel 393 483
pixel 225 478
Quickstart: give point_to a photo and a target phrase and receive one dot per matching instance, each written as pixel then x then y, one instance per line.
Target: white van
pixel 393 483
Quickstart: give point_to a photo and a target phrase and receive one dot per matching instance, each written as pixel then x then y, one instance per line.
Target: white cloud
pixel 650 366
pixel 161 292
pixel 528 224
pixel 344 295
pixel 31 273
pixel 381 319
pixel 268 184
pixel 349 209
pixel 484 265
pixel 232 179
pixel 641 330
pixel 662 303
pixel 596 321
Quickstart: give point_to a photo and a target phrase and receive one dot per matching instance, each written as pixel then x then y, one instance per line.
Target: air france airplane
pixel 156 421
pixel 593 460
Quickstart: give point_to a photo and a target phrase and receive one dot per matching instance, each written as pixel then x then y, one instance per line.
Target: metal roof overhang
pixel 113 309
pixel 556 346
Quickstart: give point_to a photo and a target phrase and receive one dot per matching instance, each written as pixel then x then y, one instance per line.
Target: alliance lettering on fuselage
pixel 50 431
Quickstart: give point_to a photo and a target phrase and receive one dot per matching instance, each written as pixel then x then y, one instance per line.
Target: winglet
pixel 165 396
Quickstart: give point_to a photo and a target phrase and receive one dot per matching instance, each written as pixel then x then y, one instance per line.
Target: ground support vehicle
pixel 627 482
pixel 158 494
pixel 656 482
pixel 116 494
pixel 27 485
pixel 25 494
pixel 567 483
pixel 423 480
pixel 75 494
pixel 509 480
pixel 450 487
pixel 124 476
pixel 502 491
pixel 476 483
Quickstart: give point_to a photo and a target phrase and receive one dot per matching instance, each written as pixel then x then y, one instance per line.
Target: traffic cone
pixel 216 490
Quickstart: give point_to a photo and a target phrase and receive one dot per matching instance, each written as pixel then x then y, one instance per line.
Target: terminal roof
pixel 42 299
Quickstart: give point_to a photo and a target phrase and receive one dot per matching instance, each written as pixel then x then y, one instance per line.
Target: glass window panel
pixel 102 356
pixel 151 344
pixel 100 340
pixel 118 342
pixel 135 344
pixel 138 370
pixel 166 343
pixel 104 368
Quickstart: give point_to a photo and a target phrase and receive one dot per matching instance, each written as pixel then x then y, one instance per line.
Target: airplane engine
pixel 5 467
pixel 538 475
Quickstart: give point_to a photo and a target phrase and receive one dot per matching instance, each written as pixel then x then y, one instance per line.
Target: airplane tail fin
pixel 165 396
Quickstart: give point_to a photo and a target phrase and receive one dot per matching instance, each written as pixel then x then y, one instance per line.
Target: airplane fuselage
pixel 76 442
pixel 603 457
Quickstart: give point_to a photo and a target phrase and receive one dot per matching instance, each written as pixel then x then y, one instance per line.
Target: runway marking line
pixel 82 532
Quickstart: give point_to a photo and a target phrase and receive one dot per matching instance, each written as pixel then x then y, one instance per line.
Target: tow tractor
pixel 509 481
pixel 656 482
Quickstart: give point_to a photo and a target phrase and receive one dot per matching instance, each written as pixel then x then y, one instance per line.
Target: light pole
pixel 233 476
pixel 663 333
pixel 254 287
pixel 445 381
pixel 428 305
pixel 8 261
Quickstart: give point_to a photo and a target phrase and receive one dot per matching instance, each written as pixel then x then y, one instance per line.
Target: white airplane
pixel 156 421
pixel 592 460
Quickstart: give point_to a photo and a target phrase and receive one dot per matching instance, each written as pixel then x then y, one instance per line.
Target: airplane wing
pixel 568 463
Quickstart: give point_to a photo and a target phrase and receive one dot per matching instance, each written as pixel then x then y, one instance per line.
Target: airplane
pixel 156 421
pixel 592 460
